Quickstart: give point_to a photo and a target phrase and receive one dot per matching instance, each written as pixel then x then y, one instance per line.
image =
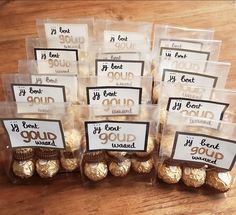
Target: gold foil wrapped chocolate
pixel 142 167
pixel 155 94
pixel 47 168
pixel 193 177
pixel 69 164
pixel 95 171
pixel 120 169
pixel 23 169
pixel 72 140
pixel 150 147
pixel 170 174
pixel 220 181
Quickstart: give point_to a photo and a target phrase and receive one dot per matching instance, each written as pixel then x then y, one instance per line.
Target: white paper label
pixel 119 73
pixel 125 41
pixel 36 96
pixel 63 35
pixel 204 149
pixel 198 108
pixel 115 100
pixel 174 76
pixel 70 83
pixel 116 136
pixel 35 133
pixel 119 56
pixel 185 54
pixel 56 60
pixel 181 44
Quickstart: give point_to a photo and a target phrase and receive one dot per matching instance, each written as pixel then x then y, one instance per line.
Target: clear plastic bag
pixel 193 73
pixel 38 90
pixel 206 103
pixel 66 33
pixel 124 36
pixel 197 156
pixel 39 145
pixel 120 146
pixel 97 89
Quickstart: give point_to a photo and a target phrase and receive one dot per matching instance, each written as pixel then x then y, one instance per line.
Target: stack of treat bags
pixel 128 100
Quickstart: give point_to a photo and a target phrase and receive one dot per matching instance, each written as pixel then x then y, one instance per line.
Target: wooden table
pixel 17 21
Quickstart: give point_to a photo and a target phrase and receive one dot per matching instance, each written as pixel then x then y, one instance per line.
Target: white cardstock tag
pixel 56 60
pixel 209 110
pixel 116 136
pixel 204 149
pixel 125 41
pixel 70 83
pixel 119 73
pixel 63 35
pixel 35 133
pixel 115 100
pixel 36 96
pixel 119 56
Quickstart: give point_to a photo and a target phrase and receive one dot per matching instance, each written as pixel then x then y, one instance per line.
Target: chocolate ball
pixel 23 169
pixel 142 166
pixel 72 140
pixel 170 174
pixel 155 94
pixel 120 169
pixel 96 171
pixel 193 177
pixel 47 168
pixel 220 181
pixel 69 164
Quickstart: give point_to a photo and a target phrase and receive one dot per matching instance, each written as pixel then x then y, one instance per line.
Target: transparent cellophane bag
pixel 105 160
pixel 84 60
pixel 217 71
pixel 134 36
pixel 206 50
pixel 142 82
pixel 98 52
pixel 76 33
pixel 203 102
pixel 67 82
pixel 38 162
pixel 203 170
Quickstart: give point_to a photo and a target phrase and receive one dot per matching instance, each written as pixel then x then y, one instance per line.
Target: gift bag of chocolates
pixel 197 155
pixel 39 145
pixel 120 146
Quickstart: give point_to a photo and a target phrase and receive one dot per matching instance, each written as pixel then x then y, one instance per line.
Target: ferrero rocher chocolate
pixel 23 169
pixel 72 140
pixel 22 154
pixel 120 169
pixel 170 174
pixel 23 150
pixel 69 164
pixel 116 154
pixel 47 168
pixel 220 181
pixel 96 171
pixel 150 147
pixel 142 166
pixel 193 177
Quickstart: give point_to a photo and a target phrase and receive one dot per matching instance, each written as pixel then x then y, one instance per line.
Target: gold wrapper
pixel 96 171
pixel 47 168
pixel 166 145
pixel 220 181
pixel 116 154
pixel 168 173
pixel 69 164
pixel 120 169
pixel 142 166
pixel 72 140
pixel 150 147
pixel 193 177
pixel 23 169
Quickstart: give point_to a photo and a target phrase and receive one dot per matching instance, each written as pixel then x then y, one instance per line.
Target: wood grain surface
pixel 17 21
